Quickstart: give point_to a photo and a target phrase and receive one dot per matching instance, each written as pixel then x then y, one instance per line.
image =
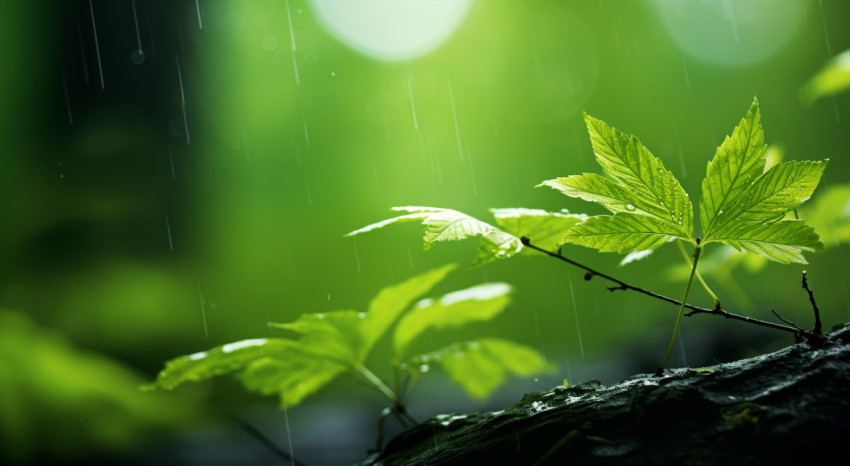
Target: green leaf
pixel 337 334
pixel 349 336
pixel 545 229
pixel 596 188
pixel 833 78
pixel 481 366
pixel 293 378
pixel 829 214
pixel 479 303
pixel 329 344
pixel 754 223
pixel 220 360
pixel 451 225
pixel 647 187
pixel 782 241
pixel 736 164
pixel 783 188
pixel 393 300
pixel 621 233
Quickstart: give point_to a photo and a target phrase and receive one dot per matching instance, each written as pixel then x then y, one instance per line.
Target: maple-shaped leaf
pixel 650 207
pixel 742 205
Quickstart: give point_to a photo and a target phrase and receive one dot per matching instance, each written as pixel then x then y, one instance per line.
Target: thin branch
pixel 818 329
pixel 694 309
pixel 267 442
pixel 785 320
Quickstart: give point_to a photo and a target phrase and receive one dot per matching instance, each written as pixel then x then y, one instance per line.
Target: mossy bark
pixel 780 408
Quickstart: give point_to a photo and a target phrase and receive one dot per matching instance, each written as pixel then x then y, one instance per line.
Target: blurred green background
pixel 177 174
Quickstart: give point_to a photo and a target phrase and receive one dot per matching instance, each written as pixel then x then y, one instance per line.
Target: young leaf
pixel 481 366
pixel 544 228
pixel 649 184
pixel 293 378
pixel 754 222
pixel 781 189
pixel 621 233
pixel 830 214
pixel 337 334
pixel 783 241
pixel 451 225
pixel 649 205
pixel 479 303
pixel 833 78
pixel 330 343
pixel 737 162
pixel 220 360
pixel 393 300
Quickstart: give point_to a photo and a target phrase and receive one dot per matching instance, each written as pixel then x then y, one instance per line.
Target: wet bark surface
pixel 788 406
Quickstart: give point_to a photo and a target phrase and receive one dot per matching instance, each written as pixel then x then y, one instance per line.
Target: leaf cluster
pixel 742 204
pixel 331 343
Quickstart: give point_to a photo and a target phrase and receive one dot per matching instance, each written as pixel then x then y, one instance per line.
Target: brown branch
pixel 818 329
pixel 621 285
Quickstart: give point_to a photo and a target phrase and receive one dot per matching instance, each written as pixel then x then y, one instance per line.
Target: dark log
pixel 785 407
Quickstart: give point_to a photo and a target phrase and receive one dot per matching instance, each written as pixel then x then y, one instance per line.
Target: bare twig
pixel 785 320
pixel 621 285
pixel 818 329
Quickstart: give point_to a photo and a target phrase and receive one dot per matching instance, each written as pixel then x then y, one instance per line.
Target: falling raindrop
pixel 575 312
pixel 171 159
pixel 168 229
pixel 198 9
pixel 182 99
pixel 454 117
pixel 288 432
pixel 410 91
pixel 306 134
pixel 356 256
pixel 474 185
pixel 203 309
pixel 292 38
pixel 96 46
pixel 687 79
pixel 67 97
pixel 138 55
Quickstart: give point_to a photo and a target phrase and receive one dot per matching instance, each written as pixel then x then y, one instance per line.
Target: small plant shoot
pixel 331 343
pixel 744 204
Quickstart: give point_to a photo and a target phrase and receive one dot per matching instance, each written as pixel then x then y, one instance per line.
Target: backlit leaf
pixel 781 189
pixel 292 378
pixel 220 360
pixel 393 300
pixel 545 229
pixel 829 214
pixel 481 366
pixel 736 164
pixel 652 186
pixel 833 78
pixel 621 233
pixel 782 241
pixel 479 303
pixel 451 225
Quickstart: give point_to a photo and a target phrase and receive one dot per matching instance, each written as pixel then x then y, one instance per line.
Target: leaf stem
pixel 697 252
pixel 694 309
pixel 377 382
pixel 699 276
